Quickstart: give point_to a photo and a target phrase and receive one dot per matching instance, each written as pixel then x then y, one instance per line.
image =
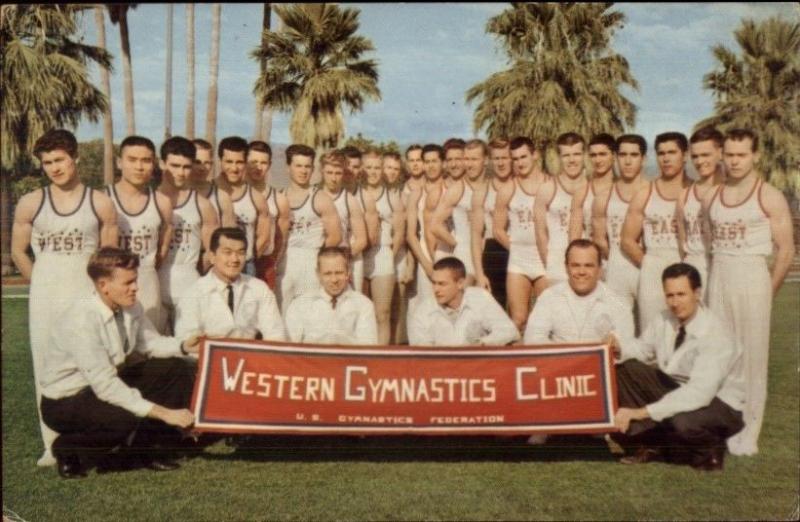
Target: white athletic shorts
pixel 622 277
pixel 297 275
pixel 524 259
pixel 379 261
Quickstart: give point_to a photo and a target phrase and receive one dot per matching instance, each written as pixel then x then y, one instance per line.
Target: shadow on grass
pixel 559 448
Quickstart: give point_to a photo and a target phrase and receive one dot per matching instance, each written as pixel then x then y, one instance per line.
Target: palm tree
pixel 190 73
pixel 45 84
pixel 119 15
pixel 211 113
pixel 168 86
pixel 563 75
pixel 263 120
pixel 105 83
pixel 315 68
pixel 760 90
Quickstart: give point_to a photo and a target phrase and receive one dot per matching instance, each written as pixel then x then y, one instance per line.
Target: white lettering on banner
pixel 437 389
pixel 291 387
pixel 565 386
pixel 228 382
pixel 480 419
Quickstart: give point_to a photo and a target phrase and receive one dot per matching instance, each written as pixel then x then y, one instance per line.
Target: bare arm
pixel 330 218
pixel 500 221
pixel 398 222
pixel 599 235
pixel 165 233
pixel 411 233
pixel 431 202
pixel 780 221
pixel 210 223
pixel 226 208
pixel 358 226
pixel 262 222
pixel 679 218
pixel 109 232
pixel 632 228
pixel 443 210
pixel 576 212
pixel 22 229
pixel 543 198
pixel 476 225
pixel 372 220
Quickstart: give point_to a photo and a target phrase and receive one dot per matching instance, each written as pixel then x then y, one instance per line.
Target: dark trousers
pixel 88 426
pixel 691 434
pixel 495 266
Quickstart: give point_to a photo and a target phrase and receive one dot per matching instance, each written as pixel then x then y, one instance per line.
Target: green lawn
pixel 414 477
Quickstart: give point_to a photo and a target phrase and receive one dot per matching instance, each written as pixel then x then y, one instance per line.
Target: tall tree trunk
pixel 211 114
pixel 105 85
pixel 258 134
pixel 127 71
pixel 168 86
pixel 190 74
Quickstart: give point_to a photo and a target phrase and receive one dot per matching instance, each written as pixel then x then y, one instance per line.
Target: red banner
pixel 265 387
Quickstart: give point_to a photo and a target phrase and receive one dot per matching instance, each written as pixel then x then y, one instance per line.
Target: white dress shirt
pixel 85 349
pixel 562 316
pixel 478 321
pixel 204 309
pixel 311 318
pixel 706 365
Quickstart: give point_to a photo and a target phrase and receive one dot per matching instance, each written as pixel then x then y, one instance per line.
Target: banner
pixel 266 387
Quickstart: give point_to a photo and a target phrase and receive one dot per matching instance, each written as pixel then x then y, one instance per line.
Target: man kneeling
pixel 693 399
pixel 112 375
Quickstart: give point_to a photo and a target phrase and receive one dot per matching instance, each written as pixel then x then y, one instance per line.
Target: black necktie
pixel 681 336
pixel 118 318
pixel 230 298
pixel 333 301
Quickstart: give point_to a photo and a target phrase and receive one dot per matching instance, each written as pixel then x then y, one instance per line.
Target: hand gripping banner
pixel 265 387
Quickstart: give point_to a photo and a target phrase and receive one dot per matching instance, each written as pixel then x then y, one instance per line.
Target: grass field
pixel 411 478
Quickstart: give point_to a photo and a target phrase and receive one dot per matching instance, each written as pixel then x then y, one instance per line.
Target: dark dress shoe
pixel 70 467
pixel 161 465
pixel 712 461
pixel 642 456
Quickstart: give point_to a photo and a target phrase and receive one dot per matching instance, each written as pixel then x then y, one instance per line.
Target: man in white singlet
pixel 489 256
pixel 748 217
pixel 249 206
pixel 403 260
pixel 513 228
pixel 145 221
pixel 608 215
pixel 202 181
pixel 313 222
pixel 63 223
pixel 602 154
pixel 193 222
pixel 259 161
pixel 553 205
pixel 705 147
pixel 651 217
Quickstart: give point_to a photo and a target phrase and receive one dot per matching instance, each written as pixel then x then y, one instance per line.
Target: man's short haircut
pixel 333 157
pixel 707 133
pixel 104 261
pixel 741 135
pixel 56 139
pixel 635 139
pixel 677 137
pixel 351 151
pixel 570 138
pixel 433 147
pixel 233 144
pixel 582 243
pixel 477 144
pixel 453 143
pixel 137 141
pixel 371 153
pixel 520 141
pixel 499 143
pixel 393 155
pixel 334 251
pixel 298 149
pixel 412 148
pixel 677 270
pixel 604 139
pixel 235 233
pixel 454 264
pixel 178 146
pixel 260 146
pixel 202 144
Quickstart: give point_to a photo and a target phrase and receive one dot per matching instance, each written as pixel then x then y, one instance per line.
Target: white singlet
pixel 378 259
pixel 523 256
pixel 621 274
pixel 697 254
pixel 558 211
pixel 179 269
pixel 246 214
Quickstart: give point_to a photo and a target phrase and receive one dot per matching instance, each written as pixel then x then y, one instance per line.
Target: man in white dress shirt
pixel 227 303
pixel 333 313
pixel 457 315
pixel 692 400
pixel 109 372
pixel 582 308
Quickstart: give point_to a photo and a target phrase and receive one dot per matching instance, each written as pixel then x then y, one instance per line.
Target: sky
pixel 428 56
